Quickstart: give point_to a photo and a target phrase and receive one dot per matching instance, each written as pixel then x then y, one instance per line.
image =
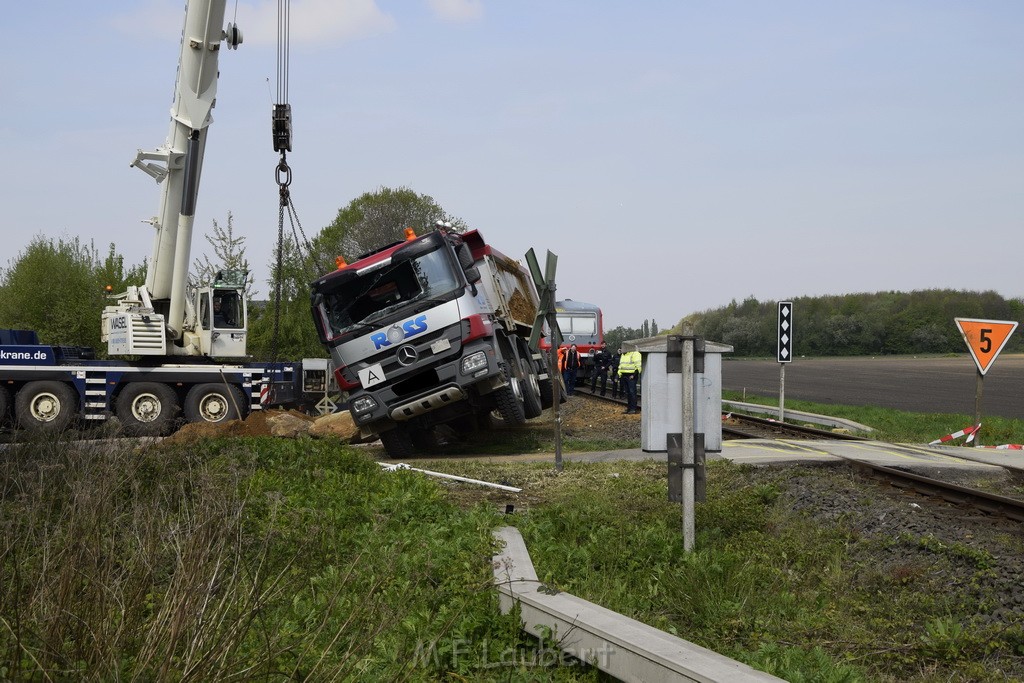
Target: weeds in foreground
pixel 253 559
pixel 262 559
pixel 766 584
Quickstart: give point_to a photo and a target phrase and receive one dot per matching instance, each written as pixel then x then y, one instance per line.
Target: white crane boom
pixel 164 301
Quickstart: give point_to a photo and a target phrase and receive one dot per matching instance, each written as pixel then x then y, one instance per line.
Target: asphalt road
pixel 920 385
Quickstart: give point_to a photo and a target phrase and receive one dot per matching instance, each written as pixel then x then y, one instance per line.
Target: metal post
pixel 782 392
pixel 689 459
pixel 556 340
pixel 545 284
pixel 556 391
pixel 977 407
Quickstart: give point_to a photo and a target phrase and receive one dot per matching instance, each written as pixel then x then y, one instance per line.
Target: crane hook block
pixel 233 36
pixel 282 127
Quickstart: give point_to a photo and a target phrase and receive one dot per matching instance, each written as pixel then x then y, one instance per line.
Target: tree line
pixel 880 323
pixel 59 286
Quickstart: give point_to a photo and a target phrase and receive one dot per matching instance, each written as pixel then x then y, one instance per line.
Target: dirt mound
pixel 256 424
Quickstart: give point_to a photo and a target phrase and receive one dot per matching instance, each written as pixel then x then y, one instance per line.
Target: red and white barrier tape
pixel 1007 447
pixel 969 432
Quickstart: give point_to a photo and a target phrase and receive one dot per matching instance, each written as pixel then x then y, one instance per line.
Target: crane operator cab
pixel 222 316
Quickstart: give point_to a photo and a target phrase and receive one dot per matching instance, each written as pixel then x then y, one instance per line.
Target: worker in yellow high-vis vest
pixel 629 374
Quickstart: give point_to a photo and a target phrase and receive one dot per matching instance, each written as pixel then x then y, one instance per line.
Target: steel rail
pixel 982 501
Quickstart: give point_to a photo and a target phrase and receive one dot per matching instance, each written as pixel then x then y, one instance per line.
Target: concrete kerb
pixel 622 647
pixel 807 417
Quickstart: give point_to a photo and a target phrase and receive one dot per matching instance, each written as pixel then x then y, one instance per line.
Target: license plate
pixel 440 345
pixel 371 375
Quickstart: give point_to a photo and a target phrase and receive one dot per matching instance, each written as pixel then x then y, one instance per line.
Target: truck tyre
pixel 509 399
pixel 46 406
pixel 398 442
pixel 147 409
pixel 214 403
pixel 547 390
pixel 531 390
pixel 426 439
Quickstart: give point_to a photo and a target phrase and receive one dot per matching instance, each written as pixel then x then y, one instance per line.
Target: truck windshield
pixel 376 295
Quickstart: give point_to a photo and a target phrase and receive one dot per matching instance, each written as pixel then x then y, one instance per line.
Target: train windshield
pixel 369 299
pixel 581 325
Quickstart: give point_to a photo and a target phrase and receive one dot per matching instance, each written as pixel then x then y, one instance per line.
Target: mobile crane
pixel 176 335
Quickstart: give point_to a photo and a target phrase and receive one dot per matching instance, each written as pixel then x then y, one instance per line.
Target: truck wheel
pixel 509 400
pixel 426 439
pixel 147 409
pixel 531 390
pixel 214 403
pixel 398 442
pixel 547 388
pixel 46 406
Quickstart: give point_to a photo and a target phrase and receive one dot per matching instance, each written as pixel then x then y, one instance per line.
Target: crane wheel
pixel 147 409
pixel 46 406
pixel 214 403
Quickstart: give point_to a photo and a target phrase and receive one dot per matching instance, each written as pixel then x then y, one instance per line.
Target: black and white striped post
pixel 785 351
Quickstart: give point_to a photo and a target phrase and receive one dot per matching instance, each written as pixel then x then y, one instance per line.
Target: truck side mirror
pixel 465 256
pixel 472 275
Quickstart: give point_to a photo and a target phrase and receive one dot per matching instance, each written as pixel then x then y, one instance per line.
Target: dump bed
pixel 505 286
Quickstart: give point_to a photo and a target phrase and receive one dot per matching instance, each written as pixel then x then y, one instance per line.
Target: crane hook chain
pixel 283 175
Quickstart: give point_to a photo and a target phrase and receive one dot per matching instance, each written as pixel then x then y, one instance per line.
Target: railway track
pixel 737 426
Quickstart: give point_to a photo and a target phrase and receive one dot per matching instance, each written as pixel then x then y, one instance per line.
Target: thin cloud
pixel 312 21
pixel 316 21
pixel 457 10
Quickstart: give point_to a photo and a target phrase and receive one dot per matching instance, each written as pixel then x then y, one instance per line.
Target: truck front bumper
pixel 385 406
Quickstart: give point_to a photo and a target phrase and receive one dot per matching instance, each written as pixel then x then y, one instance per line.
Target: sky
pixel 674 154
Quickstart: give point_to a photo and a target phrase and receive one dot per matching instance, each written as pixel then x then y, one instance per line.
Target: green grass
pixel 534 437
pixel 896 426
pixel 765 585
pixel 268 559
pixel 242 559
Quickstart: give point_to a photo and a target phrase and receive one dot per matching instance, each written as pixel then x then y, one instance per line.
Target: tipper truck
pixel 432 331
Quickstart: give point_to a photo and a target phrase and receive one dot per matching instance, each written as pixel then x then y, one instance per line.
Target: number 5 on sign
pixel 985 339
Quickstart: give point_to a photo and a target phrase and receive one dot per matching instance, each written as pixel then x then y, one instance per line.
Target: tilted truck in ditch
pixel 432 331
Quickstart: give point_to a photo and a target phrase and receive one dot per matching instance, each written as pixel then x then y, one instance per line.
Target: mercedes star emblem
pixel 407 355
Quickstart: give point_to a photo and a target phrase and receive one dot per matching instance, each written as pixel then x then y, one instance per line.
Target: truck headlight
pixel 474 362
pixel 363 404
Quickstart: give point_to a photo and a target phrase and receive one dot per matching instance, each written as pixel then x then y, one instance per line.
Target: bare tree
pixel 229 253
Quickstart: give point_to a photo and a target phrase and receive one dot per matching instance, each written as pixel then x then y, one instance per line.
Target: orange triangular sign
pixel 985 339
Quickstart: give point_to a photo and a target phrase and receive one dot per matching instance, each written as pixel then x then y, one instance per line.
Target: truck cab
pixel 423 332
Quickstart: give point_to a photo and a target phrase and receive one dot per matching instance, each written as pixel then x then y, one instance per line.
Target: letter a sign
pixel 985 339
